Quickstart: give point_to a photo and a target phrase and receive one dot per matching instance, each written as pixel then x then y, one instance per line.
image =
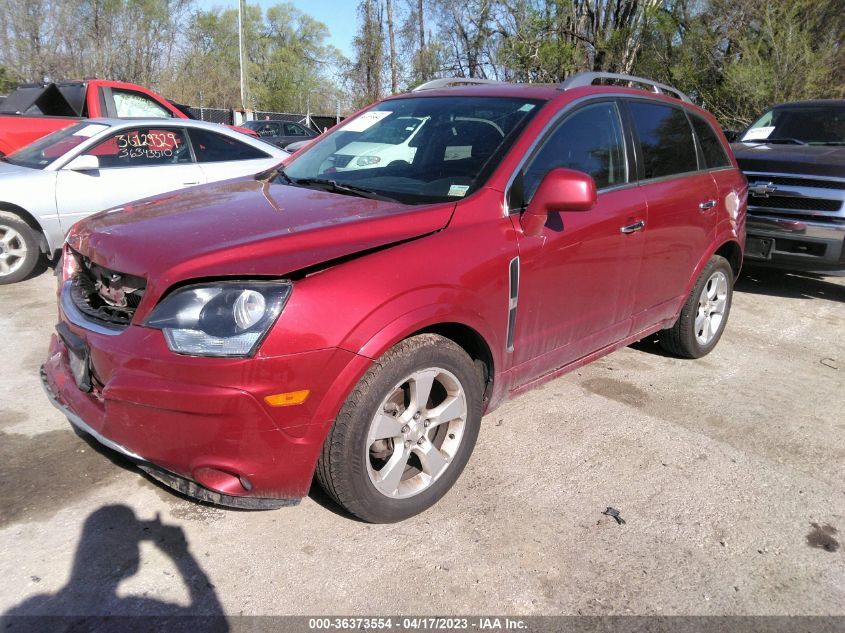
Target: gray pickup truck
pixel 794 159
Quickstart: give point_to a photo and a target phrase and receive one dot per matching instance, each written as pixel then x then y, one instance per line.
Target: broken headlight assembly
pixel 227 318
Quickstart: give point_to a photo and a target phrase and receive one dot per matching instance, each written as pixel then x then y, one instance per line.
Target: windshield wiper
pixel 781 139
pixel 288 179
pixel 336 187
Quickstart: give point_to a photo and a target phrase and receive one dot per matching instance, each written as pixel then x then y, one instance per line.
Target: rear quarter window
pixel 711 146
pixel 665 137
pixel 210 147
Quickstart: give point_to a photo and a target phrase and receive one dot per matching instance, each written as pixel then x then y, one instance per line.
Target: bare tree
pixel 394 80
pixel 367 71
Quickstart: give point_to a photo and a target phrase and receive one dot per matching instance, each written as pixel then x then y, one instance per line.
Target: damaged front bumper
pixel 200 425
pixel 177 482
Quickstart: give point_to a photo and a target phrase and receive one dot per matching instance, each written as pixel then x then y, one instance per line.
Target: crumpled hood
pixel 810 160
pixel 244 228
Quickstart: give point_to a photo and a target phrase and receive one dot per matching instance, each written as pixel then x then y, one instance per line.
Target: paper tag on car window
pixel 365 121
pixel 458 190
pixel 758 133
pixel 90 130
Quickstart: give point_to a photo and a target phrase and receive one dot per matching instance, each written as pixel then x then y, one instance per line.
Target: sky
pixel 340 16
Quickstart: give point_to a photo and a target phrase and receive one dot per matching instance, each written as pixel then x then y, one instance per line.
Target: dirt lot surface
pixel 728 472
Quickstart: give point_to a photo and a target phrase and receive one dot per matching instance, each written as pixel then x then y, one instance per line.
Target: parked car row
pixel 482 238
pixel 35 110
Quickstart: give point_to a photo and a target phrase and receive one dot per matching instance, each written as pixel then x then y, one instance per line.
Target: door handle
pixel 706 206
pixel 633 228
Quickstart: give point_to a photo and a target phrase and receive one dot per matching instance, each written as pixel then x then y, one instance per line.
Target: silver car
pixel 100 163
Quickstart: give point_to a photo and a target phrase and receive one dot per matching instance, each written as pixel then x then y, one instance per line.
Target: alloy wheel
pixel 416 432
pixel 711 307
pixel 12 250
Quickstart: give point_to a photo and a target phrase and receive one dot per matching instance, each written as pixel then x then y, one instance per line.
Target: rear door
pixel 135 163
pixel 682 203
pixel 729 180
pixel 575 279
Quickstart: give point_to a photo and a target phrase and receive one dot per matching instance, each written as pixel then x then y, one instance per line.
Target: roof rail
pixel 579 80
pixel 445 82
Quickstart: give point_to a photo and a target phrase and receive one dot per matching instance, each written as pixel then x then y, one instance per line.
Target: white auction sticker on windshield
pixel 758 133
pixel 458 190
pixel 366 121
pixel 90 130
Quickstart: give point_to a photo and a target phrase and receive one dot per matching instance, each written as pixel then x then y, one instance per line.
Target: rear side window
pixel 711 147
pixel 589 140
pixel 292 129
pixel 665 139
pixel 210 147
pixel 128 104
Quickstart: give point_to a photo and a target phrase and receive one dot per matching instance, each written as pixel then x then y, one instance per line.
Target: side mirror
pixel 731 135
pixel 560 190
pixel 85 162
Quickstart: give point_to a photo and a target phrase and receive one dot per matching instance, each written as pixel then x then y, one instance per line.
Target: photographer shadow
pixel 109 553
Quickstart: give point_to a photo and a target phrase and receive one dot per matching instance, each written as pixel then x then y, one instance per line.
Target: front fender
pixel 416 311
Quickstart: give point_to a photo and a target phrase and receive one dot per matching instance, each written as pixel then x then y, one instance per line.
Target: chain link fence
pixel 318 123
pixel 213 115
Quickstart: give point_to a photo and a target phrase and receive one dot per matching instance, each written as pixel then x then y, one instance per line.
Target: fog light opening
pixel 222 481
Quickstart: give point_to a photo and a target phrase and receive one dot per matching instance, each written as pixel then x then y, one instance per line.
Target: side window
pixel 589 140
pixel 711 146
pixel 142 147
pixel 665 139
pixel 211 147
pixel 128 103
pixel 269 129
pixel 291 129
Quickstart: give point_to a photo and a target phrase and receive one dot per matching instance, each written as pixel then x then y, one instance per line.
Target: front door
pixel 576 279
pixel 135 163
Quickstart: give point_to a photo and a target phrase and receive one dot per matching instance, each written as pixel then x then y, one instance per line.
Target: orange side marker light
pixel 287 399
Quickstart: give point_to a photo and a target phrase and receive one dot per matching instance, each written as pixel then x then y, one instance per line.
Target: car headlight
pixel 367 160
pixel 227 318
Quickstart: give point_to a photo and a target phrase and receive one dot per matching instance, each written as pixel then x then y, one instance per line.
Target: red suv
pixel 356 312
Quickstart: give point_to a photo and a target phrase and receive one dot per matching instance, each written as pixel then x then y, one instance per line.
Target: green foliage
pixel 286 61
pixel 735 57
pixel 7 82
pixel 739 58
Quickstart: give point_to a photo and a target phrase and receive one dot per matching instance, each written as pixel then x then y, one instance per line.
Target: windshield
pixel 415 150
pixel 45 150
pixel 800 124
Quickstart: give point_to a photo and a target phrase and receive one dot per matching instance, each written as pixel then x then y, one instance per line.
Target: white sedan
pixel 100 163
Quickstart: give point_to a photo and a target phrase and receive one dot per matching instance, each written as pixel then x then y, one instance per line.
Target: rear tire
pixel 406 431
pixel 705 313
pixel 19 250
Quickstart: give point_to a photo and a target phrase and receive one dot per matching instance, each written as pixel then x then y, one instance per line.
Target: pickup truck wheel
pixel 405 432
pixel 705 313
pixel 19 252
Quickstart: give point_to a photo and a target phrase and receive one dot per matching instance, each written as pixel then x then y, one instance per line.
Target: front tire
pixel 19 252
pixel 705 313
pixel 406 431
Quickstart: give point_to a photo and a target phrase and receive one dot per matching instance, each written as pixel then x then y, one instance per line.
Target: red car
pixel 356 317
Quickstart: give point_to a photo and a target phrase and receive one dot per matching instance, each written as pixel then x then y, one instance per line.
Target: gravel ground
pixel 728 472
